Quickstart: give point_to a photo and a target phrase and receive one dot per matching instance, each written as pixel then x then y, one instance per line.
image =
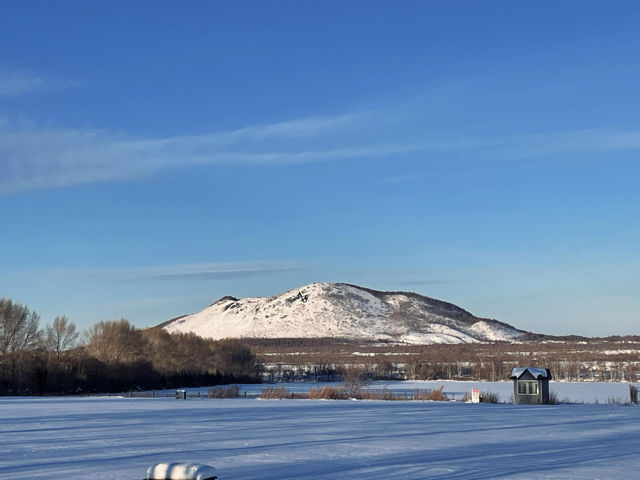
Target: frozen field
pixel 117 438
pixel 582 392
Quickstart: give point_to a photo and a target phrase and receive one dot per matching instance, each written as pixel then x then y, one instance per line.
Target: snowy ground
pixel 117 438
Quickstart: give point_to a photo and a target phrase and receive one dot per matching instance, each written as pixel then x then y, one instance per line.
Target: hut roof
pixel 535 372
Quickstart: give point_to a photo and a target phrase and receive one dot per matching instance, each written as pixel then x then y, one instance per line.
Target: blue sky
pixel 155 157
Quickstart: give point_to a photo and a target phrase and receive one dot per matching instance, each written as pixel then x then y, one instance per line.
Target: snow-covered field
pixel 117 438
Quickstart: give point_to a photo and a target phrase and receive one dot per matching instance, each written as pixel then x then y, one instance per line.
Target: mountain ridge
pixel 343 310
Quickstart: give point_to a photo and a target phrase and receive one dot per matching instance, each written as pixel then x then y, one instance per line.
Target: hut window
pixel 527 387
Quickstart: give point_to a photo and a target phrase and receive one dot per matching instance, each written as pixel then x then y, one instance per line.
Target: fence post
pixel 633 394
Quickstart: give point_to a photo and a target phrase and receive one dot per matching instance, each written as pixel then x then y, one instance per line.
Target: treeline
pixel 594 359
pixel 111 356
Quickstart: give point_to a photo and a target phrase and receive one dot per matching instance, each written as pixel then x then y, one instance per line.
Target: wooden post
pixel 633 394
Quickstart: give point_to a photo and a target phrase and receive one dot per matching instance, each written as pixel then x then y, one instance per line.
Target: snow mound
pixel 180 471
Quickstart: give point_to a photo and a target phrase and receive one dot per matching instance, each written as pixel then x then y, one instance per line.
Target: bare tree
pixel 115 341
pixel 60 336
pixel 18 327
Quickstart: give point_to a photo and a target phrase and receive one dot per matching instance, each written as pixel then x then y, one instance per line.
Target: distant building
pixel 530 385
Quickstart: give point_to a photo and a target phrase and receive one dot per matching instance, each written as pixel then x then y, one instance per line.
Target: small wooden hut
pixel 530 385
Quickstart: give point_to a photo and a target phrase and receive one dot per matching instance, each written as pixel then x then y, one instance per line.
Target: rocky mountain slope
pixel 343 311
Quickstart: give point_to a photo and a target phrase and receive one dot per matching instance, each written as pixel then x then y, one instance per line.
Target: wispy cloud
pixel 33 158
pixel 193 271
pixel 15 83
pixel 150 302
pixel 587 140
pixel 426 281
pixel 401 178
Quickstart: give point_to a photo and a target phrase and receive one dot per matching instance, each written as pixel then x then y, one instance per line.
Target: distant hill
pixel 341 310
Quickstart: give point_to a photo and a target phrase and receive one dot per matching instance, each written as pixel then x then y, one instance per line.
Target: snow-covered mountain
pixel 343 311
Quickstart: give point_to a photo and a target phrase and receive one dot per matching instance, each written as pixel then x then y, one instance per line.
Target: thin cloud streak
pixel 192 271
pixel 401 178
